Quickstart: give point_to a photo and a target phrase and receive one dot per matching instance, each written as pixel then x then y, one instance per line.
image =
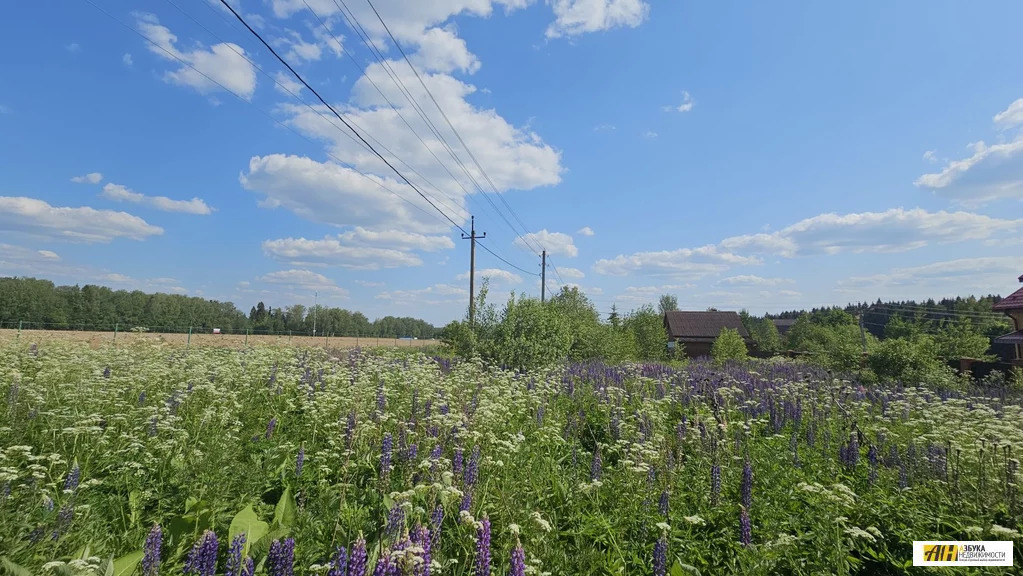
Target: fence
pixel 207 335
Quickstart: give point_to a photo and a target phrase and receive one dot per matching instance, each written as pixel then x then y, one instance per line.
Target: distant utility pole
pixel 543 276
pixel 315 295
pixel 472 268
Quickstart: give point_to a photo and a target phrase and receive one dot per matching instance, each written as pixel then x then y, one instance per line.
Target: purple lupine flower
pixel 466 503
pixel 456 462
pixel 402 443
pixel 72 479
pixel 381 398
pixel 745 528
pixel 106 372
pixel 299 460
pixel 270 427
pixel 518 560
pixel 421 537
pixel 350 430
pixel 661 556
pixel 339 562
pixel 436 521
pixel 383 567
pixel 482 561
pixel 142 398
pixel 151 552
pixel 48 503
pixel 152 431
pixel 281 559
pixel 5 492
pixel 747 485
pixel 596 466
pixel 715 483
pixel 395 520
pixel 412 452
pixel 357 561
pixel 234 556
pixel 64 517
pixel 662 504
pixel 386 445
pixel 540 410
pixel 202 560
pixel 248 567
pixel 472 470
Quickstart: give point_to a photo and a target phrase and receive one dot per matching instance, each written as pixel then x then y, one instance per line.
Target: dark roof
pixel 702 326
pixel 1011 338
pixel 783 324
pixel 1014 300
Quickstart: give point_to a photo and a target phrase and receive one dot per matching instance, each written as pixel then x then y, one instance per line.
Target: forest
pixel 39 304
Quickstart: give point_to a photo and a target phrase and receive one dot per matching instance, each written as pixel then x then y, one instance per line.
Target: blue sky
pixel 738 155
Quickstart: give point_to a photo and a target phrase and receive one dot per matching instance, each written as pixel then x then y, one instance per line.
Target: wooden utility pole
pixel 543 276
pixel 472 268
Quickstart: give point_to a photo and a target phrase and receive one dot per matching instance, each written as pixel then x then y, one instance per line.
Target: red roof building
pixel 1013 307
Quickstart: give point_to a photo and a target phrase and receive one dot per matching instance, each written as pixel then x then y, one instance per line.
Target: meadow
pixel 146 458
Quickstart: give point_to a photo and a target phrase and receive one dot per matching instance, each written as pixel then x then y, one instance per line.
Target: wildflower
pixel 383 567
pixel 596 466
pixel 152 427
pixel 72 479
pixel 357 561
pixel 436 521
pixel 385 454
pixel 745 528
pixel 151 552
pixel 270 427
pixel 350 430
pixel 339 563
pixel 234 555
pixel 106 372
pixel 747 485
pixel 662 504
pixel 248 567
pixel 715 483
pixel 456 462
pixel 661 555
pixel 466 503
pixel 395 520
pixel 299 460
pixel 518 560
pixel 482 561
pixel 473 469
pixel 281 559
pixel 142 398
pixel 202 560
pixel 421 538
pixel 64 517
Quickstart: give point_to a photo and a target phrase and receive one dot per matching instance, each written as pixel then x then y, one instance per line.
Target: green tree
pixel 667 303
pixel 763 332
pixel 647 329
pixel 729 345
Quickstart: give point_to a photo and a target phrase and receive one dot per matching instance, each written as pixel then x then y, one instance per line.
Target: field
pixel 150 459
pixel 96 339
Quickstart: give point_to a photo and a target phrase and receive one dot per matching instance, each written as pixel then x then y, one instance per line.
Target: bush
pixel 729 345
pixel 647 331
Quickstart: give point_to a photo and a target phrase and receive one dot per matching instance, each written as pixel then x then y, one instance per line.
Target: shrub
pixel 729 345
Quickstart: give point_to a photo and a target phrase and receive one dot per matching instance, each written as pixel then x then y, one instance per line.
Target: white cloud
pixel 84 224
pixel 650 134
pixel 585 231
pixel 12 256
pixel 987 275
pixel 369 284
pixel 649 294
pixel 223 63
pixel 570 273
pixel 495 275
pixel 127 60
pixel 683 262
pixel 930 156
pixel 556 243
pixel 441 50
pixel 286 84
pixel 893 230
pixel 297 50
pixel 604 128
pixel 330 251
pixel 306 280
pixel 575 17
pixel 121 193
pixel 438 294
pixel 991 173
pixel 1011 116
pixel 90 178
pixel 686 105
pixel 751 280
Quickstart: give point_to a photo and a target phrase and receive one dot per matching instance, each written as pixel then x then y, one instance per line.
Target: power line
pixel 457 135
pixel 331 108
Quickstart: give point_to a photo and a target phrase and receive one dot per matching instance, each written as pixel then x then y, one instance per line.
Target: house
pixel 698 330
pixel 1013 308
pixel 783 325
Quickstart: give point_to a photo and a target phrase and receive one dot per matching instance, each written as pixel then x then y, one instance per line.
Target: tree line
pixel 41 304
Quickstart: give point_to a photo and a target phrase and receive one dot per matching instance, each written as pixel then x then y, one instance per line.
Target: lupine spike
pixel 518 560
pixel 661 556
pixel 359 557
pixel 151 552
pixel 202 560
pixel 481 564
pixel 234 556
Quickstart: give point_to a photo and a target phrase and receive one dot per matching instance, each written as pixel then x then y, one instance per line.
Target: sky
pixel 740 155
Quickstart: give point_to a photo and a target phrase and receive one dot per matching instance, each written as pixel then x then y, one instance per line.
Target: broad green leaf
pixel 107 567
pixel 126 565
pixel 246 522
pixel 680 569
pixel 287 510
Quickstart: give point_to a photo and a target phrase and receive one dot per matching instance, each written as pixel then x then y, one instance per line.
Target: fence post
pixel 188 343
pixel 19 329
pixel 115 331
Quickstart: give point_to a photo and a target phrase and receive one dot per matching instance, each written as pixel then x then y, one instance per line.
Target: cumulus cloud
pixel 495 275
pixel 570 273
pixel 575 17
pixel 90 178
pixel 1011 116
pixel 83 224
pixel 127 60
pixel 686 105
pixel 438 294
pixel 986 275
pixel 121 193
pixel 556 243
pixel 302 279
pixel 585 231
pixel 222 63
pixel 991 173
pixel 752 280
pixel 331 251
pixel 683 262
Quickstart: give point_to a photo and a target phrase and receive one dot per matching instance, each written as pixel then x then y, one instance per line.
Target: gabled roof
pixel 704 326
pixel 1014 300
pixel 1011 338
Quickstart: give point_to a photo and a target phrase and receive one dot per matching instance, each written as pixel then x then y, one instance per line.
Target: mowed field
pixel 96 339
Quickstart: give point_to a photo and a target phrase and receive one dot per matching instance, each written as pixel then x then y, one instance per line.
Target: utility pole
pixel 315 295
pixel 472 268
pixel 543 276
